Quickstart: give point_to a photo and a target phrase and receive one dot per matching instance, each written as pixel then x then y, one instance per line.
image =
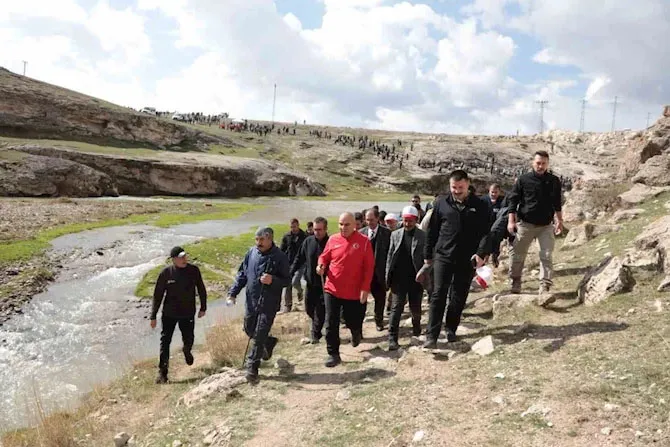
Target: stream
pixel 88 328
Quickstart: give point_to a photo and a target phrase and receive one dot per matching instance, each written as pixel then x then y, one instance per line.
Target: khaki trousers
pixel 526 234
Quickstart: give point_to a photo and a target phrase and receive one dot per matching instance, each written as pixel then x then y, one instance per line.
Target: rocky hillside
pixel 30 108
pixel 27 170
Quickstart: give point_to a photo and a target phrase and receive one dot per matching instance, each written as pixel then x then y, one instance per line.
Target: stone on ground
pixel 579 236
pixel 608 278
pixel 222 383
pixel 640 193
pixel 121 439
pixel 484 346
pixel 536 409
pixel 418 436
pixel 343 395
pixel 506 301
pixel 625 215
pixel 606 431
pixel 664 286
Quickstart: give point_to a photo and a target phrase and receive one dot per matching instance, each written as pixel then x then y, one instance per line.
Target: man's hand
pixel 153 324
pixel 320 269
pixel 266 279
pixel 364 296
pixel 231 300
pixel 201 313
pixel 512 228
pixel 478 262
pixel 558 227
pixel 428 261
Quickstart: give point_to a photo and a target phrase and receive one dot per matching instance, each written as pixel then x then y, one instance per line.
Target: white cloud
pixel 548 56
pixel 293 22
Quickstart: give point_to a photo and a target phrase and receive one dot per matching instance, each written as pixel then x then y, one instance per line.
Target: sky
pixel 443 66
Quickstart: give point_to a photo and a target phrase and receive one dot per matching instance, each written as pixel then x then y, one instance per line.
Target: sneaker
pixel 544 288
pixel 356 338
pixel 161 379
pixel 516 285
pixel 333 361
pixel 380 327
pixel 393 345
pixel 188 356
pixel 269 347
pixel 430 344
pixel 451 336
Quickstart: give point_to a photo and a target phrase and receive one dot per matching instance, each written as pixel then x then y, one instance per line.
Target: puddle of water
pixel 87 328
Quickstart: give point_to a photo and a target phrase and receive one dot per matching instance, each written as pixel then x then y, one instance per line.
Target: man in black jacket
pixel 496 202
pixel 290 245
pixel 175 290
pixel 308 259
pixel 380 238
pixel 457 240
pixel 535 213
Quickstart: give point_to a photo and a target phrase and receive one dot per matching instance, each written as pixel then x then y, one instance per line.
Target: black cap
pixel 177 252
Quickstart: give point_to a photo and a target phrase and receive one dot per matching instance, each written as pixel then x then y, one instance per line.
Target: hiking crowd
pixel 393 259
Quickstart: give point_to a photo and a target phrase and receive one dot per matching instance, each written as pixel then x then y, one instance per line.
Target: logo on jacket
pixel 171 281
pixel 356 246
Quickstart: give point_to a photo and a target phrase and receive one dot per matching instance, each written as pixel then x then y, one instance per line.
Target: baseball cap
pixel 410 211
pixel 177 252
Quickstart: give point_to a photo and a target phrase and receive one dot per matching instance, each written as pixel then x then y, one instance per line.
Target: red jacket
pixel 350 264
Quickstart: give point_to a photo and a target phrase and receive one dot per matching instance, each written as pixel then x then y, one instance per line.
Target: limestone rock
pixel 626 215
pixel 640 193
pixel 536 409
pixel 644 260
pixel 608 278
pixel 418 436
pixel 503 302
pixel 655 171
pixel 223 382
pixel 343 395
pixel 606 431
pixel 655 237
pixel 664 286
pixel 121 439
pixel 579 236
pixel 484 346
pixel 175 173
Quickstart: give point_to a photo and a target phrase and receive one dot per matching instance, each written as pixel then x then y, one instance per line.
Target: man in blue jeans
pixel 264 272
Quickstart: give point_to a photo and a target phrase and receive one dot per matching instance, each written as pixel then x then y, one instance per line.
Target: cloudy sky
pixel 456 66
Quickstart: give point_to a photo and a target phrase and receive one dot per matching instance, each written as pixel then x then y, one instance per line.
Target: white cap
pixel 391 216
pixel 410 211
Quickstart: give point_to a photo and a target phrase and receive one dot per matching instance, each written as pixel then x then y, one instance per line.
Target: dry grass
pixel 226 343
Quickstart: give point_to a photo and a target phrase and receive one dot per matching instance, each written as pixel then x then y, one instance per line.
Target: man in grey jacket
pixel 405 259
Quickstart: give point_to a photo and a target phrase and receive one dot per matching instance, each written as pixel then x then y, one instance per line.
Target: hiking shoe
pixel 188 356
pixel 333 361
pixel 356 338
pixel 544 288
pixel 430 344
pixel 451 336
pixel 516 285
pixel 252 375
pixel 393 345
pixel 161 379
pixel 269 347
pixel 380 327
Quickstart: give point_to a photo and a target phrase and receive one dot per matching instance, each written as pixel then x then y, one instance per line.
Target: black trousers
pixel 168 325
pixel 448 275
pixel 316 310
pixel 352 311
pixel 401 293
pixel 257 325
pixel 378 292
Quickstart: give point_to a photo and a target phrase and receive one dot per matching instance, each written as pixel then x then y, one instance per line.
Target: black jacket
pixel 175 289
pixel 536 198
pixel 309 254
pixel 382 243
pixel 291 243
pixel 416 253
pixel 456 235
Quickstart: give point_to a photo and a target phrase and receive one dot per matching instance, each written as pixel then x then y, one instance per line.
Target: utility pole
pixel 648 119
pixel 581 120
pixel 274 102
pixel 616 100
pixel 24 67
pixel 542 104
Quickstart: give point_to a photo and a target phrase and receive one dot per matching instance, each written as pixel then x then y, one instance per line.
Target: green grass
pixel 84 147
pixel 25 249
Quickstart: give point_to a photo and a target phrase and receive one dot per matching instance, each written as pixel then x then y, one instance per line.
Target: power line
pixel 648 119
pixel 24 67
pixel 616 99
pixel 274 101
pixel 581 120
pixel 542 104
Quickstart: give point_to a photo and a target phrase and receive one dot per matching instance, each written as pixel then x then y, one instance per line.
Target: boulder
pixel 654 237
pixel 654 172
pixel 640 193
pixel 640 261
pixel 651 144
pixel 121 439
pixel 608 278
pixel 664 286
pixel 221 383
pixel 507 301
pixel 578 236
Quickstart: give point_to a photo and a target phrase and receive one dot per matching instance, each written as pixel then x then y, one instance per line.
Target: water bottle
pixel 484 276
pixel 229 303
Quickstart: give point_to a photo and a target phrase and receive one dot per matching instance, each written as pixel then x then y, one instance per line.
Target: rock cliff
pixel 29 170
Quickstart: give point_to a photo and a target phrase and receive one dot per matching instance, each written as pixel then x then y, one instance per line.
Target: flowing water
pixel 87 328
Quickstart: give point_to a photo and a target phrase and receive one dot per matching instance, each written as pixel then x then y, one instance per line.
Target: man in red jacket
pixel 348 261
